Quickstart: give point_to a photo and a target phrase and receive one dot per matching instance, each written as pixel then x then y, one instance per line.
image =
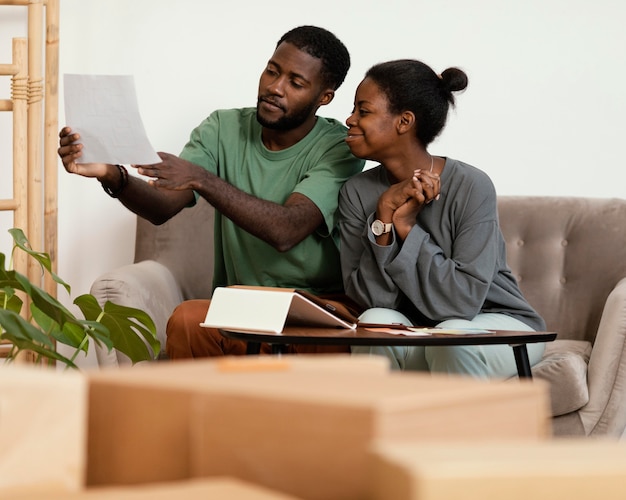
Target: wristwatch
pixel 379 227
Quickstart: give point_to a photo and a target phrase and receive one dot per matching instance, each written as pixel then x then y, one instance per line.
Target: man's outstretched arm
pixel 171 189
pixel 281 226
pixel 155 205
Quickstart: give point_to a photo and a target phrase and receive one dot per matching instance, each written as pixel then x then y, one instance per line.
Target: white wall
pixel 543 114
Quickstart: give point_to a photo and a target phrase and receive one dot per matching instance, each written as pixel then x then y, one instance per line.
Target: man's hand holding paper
pixel 71 154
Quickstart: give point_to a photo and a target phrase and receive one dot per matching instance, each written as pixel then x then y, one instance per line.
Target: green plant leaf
pixel 126 326
pixel 99 333
pixel 72 333
pixel 89 306
pixel 10 301
pixel 46 303
pixel 17 328
pixel 143 323
pixel 7 277
pixel 129 330
pixel 48 353
pixel 43 258
pixel 92 311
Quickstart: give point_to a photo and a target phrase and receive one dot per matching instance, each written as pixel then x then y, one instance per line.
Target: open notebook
pixel 268 310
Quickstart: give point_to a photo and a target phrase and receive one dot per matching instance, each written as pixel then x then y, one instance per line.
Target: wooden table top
pixel 379 336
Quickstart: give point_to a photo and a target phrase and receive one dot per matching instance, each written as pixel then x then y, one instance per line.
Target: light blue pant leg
pixel 481 361
pixel 478 361
pixel 400 357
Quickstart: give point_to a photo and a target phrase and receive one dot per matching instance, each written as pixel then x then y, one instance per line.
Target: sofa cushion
pixel 564 367
pixel 135 285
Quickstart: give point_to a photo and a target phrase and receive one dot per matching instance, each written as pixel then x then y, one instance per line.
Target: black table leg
pixel 521 361
pixel 279 349
pixel 253 347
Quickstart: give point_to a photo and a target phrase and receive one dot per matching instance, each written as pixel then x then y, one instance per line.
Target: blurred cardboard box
pixel 43 416
pixel 573 469
pixel 139 435
pixel 218 488
pixel 139 417
pixel 301 425
pixel 309 434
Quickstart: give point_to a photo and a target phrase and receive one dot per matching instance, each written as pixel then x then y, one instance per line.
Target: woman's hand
pixel 425 189
pixel 396 196
pixel 403 201
pixel 404 216
pixel 393 200
pixel 431 185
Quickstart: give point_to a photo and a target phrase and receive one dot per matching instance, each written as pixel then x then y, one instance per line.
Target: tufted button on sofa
pixel 569 255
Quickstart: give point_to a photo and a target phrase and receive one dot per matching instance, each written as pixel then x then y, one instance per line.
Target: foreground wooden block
pixel 199 489
pixel 568 469
pixel 43 427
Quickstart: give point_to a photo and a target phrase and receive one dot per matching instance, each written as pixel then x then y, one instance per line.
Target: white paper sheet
pixel 103 110
pixel 421 332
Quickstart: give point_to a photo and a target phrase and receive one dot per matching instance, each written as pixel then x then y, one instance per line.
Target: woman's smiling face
pixel 372 128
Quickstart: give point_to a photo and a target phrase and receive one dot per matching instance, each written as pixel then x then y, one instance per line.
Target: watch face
pixel 378 228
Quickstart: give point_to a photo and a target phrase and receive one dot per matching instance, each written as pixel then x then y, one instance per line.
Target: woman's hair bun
pixel 454 80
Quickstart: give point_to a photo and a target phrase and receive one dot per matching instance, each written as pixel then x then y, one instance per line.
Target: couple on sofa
pixel 418 235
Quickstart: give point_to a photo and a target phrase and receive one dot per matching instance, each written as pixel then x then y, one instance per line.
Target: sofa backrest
pixel 184 244
pixel 567 253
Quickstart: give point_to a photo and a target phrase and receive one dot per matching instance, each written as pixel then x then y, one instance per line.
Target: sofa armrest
pixel 146 285
pixel 604 414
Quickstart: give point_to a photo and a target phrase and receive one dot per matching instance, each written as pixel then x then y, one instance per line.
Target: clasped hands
pixel 404 200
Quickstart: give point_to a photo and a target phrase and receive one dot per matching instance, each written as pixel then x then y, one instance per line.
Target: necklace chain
pixel 432 162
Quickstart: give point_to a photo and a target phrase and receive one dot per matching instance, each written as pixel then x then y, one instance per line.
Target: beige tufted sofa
pixel 569 255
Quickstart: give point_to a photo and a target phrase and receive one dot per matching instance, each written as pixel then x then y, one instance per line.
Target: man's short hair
pixel 323 45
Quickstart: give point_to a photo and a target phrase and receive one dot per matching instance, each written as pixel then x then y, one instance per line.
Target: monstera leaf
pixel 47 322
pixel 120 320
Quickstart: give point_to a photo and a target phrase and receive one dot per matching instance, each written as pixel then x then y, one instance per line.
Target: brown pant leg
pixel 187 339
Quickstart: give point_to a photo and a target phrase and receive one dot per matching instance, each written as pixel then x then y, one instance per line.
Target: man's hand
pixel 155 205
pixel 70 150
pixel 173 173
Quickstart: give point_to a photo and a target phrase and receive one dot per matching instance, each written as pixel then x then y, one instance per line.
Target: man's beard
pixel 287 122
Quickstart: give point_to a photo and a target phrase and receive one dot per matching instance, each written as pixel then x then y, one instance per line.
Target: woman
pixel 420 240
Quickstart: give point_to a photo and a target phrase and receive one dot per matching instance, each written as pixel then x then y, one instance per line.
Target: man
pixel 273 174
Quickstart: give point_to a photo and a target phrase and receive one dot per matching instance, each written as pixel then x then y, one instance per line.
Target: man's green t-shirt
pixel 228 144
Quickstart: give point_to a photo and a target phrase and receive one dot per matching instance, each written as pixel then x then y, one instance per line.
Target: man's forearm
pixel 149 202
pixel 281 226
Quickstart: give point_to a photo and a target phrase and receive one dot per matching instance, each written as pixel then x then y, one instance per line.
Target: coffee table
pixel 374 337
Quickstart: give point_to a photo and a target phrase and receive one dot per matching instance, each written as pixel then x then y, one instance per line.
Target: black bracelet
pixel 114 193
